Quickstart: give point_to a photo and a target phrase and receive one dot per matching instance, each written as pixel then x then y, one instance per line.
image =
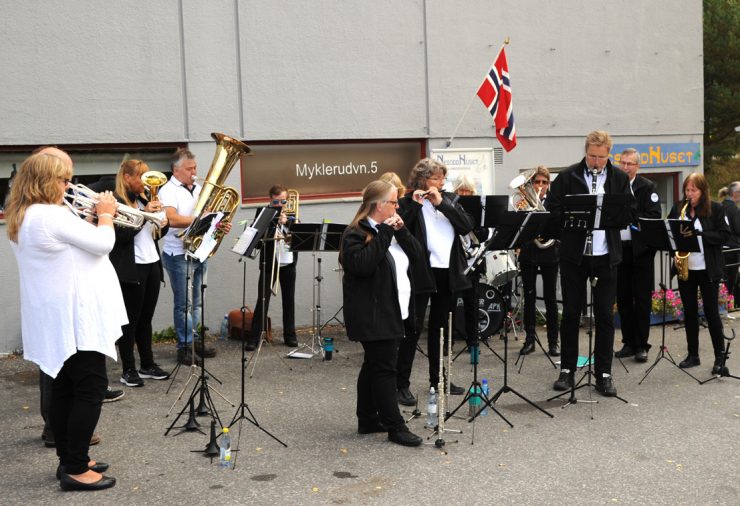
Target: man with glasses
pixel 275 255
pixel 635 273
pixel 583 257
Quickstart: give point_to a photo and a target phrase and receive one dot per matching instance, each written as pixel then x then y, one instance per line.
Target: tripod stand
pixel 532 277
pixel 724 372
pixel 242 411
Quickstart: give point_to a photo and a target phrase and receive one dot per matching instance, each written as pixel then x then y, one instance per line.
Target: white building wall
pixel 132 71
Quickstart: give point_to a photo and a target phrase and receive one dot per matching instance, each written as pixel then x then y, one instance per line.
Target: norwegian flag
pixel 495 93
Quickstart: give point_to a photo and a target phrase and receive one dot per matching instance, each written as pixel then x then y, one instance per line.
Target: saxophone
pixel 681 259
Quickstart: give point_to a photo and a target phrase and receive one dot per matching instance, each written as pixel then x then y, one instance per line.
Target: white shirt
pixel 401 261
pixel 696 258
pixel 145 251
pixel 440 236
pixel 600 246
pixel 70 296
pixel 626 234
pixel 175 194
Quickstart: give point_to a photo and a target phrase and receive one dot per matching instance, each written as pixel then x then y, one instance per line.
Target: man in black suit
pixel 582 257
pixel 635 273
pixel 732 212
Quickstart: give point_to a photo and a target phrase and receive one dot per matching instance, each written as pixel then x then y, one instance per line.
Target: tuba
pixel 214 196
pixel 82 201
pixel 680 258
pixel 526 199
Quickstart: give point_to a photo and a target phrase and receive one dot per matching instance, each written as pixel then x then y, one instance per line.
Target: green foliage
pixel 164 336
pixel 721 80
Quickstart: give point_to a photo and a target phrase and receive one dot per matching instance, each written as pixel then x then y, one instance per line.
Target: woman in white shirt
pixel 71 306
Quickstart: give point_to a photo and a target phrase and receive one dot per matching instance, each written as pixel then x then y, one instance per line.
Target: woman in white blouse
pixel 71 305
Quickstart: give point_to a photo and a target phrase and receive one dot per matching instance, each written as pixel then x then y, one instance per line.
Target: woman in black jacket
pixel 377 253
pixel 135 256
pixel 705 267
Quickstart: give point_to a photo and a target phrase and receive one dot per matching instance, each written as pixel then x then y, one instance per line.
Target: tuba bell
pixel 214 196
pixel 682 258
pixel 526 199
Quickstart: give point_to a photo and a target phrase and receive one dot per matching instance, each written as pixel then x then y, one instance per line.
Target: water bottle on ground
pixel 224 333
pixel 484 391
pixel 224 443
pixel 474 401
pixel 432 409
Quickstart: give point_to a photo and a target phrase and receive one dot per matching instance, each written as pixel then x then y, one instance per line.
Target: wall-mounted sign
pixel 475 163
pixel 662 154
pixel 325 169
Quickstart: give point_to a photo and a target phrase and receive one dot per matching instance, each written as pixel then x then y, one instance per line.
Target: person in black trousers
pixel 705 267
pixel 437 220
pixel 730 203
pixel 545 259
pixel 635 274
pixel 377 254
pixel 270 261
pixel 582 257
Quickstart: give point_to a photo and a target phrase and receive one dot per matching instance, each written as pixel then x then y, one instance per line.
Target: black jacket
pixel 410 212
pixel 714 234
pixel 571 182
pixel 371 308
pixel 268 250
pixel 645 205
pixel 733 217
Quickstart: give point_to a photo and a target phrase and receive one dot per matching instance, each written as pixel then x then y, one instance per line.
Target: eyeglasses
pixel 276 202
pixel 394 202
pixel 541 181
pixel 596 157
pixel 629 164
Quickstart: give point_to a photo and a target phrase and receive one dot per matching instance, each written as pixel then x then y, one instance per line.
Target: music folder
pixel 248 242
pixel 316 236
pixel 669 235
pixel 602 211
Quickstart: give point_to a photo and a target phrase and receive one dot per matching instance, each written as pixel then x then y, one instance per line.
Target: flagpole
pixel 452 137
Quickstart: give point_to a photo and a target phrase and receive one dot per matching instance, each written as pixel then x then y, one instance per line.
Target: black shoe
pixel 605 386
pixel 564 382
pixel 405 397
pixel 371 428
pixel 718 370
pixel 641 355
pixel 291 343
pixel 113 395
pixel 456 390
pixel 185 357
pixel 68 483
pixel 205 351
pixel 131 378
pixel 251 345
pixel 554 349
pixel 690 361
pixel 153 372
pixel 625 352
pixel 528 346
pixel 99 467
pixel 404 437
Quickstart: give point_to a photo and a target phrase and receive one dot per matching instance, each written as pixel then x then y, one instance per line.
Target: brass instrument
pixel 153 179
pixel 291 206
pixel 214 196
pixel 527 199
pixel 281 242
pixel 680 258
pixel 82 201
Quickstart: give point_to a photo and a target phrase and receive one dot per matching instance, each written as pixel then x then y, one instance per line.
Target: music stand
pixel 316 237
pixel 666 236
pixel 584 214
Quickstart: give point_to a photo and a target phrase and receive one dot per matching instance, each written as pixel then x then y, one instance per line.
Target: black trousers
pixel 709 295
pixel 733 288
pixel 46 383
pixel 376 385
pixel 286 278
pixel 441 303
pixel 549 292
pixel 141 301
pixel 634 297
pixel 573 279
pixel 407 346
pixel 77 395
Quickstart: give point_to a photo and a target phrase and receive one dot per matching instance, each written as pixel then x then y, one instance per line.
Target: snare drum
pixel 500 267
pixel 490 310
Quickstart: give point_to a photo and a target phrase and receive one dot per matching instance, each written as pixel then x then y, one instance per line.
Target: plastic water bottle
pixel 484 391
pixel 224 443
pixel 328 348
pixel 432 409
pixel 473 401
pixel 224 328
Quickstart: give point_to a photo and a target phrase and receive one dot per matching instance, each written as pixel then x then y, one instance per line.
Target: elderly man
pixel 730 203
pixel 635 273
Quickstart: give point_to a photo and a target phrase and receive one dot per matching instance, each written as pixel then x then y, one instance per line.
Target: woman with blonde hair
pixel 71 306
pixel 135 256
pixel 377 255
pixel 392 178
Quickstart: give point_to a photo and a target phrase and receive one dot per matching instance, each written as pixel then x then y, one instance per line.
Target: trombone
pixel 281 241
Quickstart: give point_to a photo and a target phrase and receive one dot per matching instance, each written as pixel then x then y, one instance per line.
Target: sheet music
pixel 244 240
pixel 209 242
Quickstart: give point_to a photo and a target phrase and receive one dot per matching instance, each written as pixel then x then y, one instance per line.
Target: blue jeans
pixel 185 313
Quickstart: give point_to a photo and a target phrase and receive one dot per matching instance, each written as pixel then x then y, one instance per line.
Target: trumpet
pixel 82 201
pixel 681 259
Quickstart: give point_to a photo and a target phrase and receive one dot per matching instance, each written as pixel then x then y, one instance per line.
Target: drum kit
pixel 501 269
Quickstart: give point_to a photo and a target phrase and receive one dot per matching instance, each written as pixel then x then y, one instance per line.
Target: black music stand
pixel 248 246
pixel 316 237
pixel 667 236
pixel 584 214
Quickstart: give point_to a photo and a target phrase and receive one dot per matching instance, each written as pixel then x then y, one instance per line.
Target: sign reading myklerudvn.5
pixel 325 169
